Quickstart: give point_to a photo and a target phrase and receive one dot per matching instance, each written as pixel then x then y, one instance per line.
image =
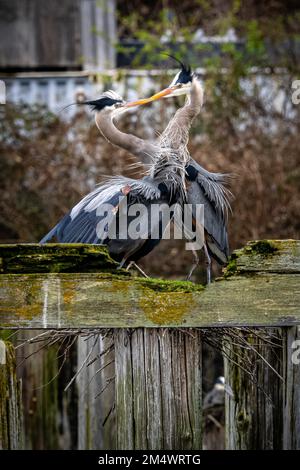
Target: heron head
pixel 180 85
pixel 109 102
pixel 182 82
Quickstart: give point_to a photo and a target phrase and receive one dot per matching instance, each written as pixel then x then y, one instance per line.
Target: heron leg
pixel 208 264
pixel 132 263
pixel 121 265
pixel 194 265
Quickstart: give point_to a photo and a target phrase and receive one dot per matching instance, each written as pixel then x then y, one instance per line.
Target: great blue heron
pixel 89 222
pixel 202 187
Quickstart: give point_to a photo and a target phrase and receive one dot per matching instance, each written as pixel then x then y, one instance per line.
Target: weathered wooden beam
pixel 11 411
pixel 99 300
pixel 265 295
pixel 158 389
pixel 254 414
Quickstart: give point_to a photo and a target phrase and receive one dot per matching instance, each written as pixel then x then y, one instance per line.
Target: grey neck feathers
pixel 144 150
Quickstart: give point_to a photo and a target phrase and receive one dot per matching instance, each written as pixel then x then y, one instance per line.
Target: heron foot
pixel 194 266
pixel 132 263
pixel 208 265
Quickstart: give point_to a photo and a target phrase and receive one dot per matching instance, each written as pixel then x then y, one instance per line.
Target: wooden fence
pixel 157 331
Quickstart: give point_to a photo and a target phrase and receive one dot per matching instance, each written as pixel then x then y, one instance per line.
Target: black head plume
pixel 185 75
pixel 107 99
pixel 101 103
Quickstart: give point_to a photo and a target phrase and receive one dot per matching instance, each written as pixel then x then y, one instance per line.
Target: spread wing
pixel 208 189
pixel 89 221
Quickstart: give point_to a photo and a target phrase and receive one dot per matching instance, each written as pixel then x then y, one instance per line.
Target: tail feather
pixel 49 235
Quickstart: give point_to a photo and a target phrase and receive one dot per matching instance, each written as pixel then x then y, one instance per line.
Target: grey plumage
pixel 172 176
pixel 200 186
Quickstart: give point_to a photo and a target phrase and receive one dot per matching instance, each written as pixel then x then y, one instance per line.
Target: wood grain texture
pixel 158 389
pixel 94 406
pixel 254 415
pixel 11 416
pixel 40 391
pixel 291 411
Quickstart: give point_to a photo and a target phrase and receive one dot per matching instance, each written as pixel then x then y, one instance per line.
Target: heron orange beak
pixel 157 96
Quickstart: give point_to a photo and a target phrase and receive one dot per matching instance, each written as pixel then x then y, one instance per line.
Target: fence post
pixel 291 410
pixel 95 394
pixel 40 393
pixel 11 417
pixel 253 415
pixel 158 389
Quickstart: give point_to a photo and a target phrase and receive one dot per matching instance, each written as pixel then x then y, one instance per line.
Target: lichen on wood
pixel 65 300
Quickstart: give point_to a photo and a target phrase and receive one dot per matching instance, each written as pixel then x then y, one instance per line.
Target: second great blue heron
pixel 202 187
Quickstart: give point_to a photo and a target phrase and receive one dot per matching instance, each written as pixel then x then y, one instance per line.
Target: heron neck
pixel 106 126
pixel 142 149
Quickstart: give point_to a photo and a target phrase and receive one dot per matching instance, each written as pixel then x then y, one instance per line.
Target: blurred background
pixel 54 53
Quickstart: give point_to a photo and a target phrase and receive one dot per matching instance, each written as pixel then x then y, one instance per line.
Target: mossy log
pixel 157 392
pixel 55 258
pixel 11 411
pixel 158 389
pixel 261 287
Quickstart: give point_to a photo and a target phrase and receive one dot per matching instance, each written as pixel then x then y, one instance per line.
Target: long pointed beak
pixel 157 96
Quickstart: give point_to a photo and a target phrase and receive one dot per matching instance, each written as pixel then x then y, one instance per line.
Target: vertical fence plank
pixel 95 395
pixel 124 391
pixel 158 389
pixel 254 414
pixel 38 368
pixel 49 418
pixel 11 417
pixel 291 412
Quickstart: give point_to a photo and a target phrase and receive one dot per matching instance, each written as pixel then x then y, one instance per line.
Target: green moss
pixel 161 285
pixel 231 267
pixel 263 247
pixel 55 257
pixel 260 247
pixel 163 308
